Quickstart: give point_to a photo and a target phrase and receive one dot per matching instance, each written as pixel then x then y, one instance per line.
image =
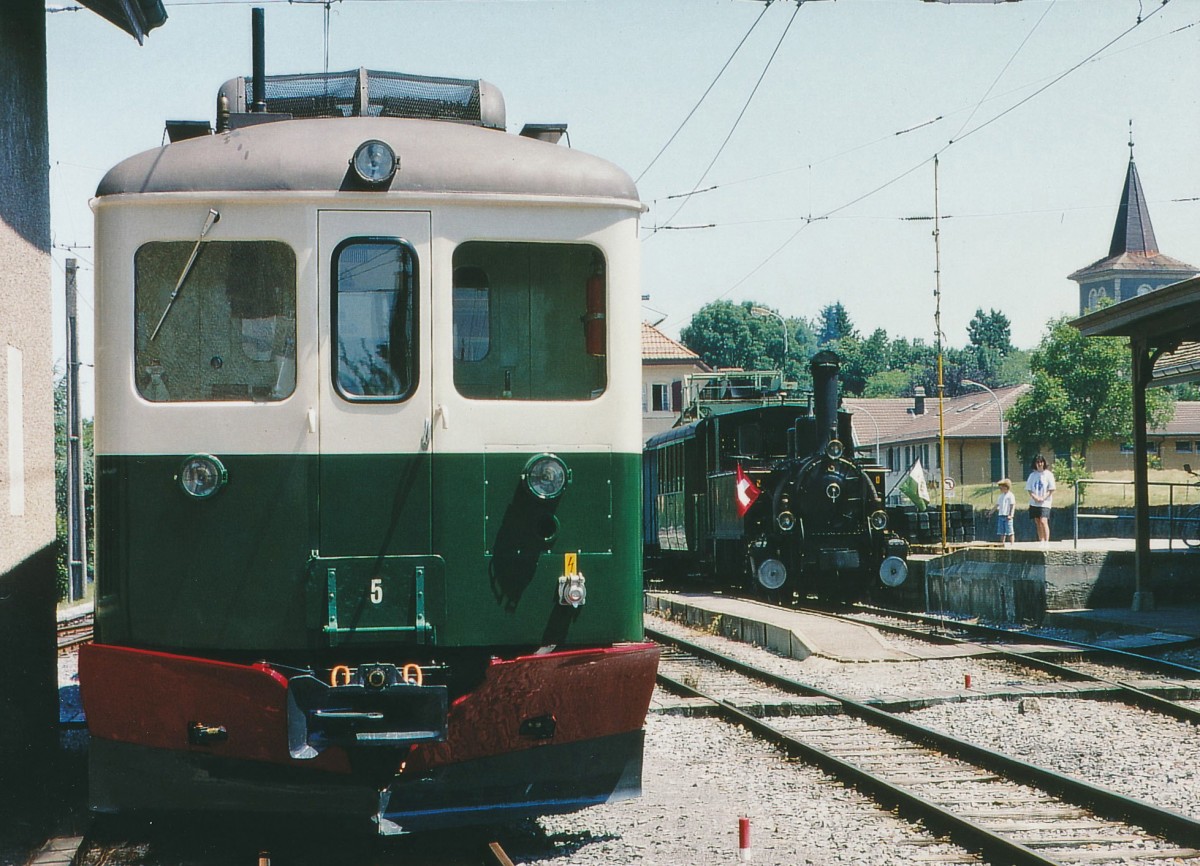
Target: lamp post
pixel 761 312
pixel 855 408
pixel 1000 409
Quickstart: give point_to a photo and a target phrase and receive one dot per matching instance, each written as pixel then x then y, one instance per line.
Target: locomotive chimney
pixel 259 59
pixel 825 366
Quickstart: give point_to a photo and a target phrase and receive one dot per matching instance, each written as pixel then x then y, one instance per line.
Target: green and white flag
pixel 914 487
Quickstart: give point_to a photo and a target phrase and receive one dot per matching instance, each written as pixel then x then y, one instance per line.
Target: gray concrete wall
pixel 28 699
pixel 1009 585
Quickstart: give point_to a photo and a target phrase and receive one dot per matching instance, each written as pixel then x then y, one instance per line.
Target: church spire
pixel 1133 232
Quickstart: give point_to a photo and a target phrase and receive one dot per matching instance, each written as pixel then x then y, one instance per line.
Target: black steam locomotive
pixel 759 488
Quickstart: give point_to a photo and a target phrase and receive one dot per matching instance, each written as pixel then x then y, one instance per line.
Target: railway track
pixel 1004 809
pixel 1116 670
pixel 75 631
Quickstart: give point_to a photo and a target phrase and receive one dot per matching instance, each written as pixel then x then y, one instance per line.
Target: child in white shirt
pixel 1005 509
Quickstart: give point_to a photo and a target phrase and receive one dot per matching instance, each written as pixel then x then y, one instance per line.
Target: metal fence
pixel 1182 511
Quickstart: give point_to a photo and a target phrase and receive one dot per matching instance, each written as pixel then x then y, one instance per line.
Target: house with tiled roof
pixel 1134 265
pixel 666 364
pixel 903 429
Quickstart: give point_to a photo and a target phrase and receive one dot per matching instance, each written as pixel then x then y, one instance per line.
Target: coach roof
pixel 314 154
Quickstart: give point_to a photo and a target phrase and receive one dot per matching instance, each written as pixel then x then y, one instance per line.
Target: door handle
pixel 426 434
pixel 312 420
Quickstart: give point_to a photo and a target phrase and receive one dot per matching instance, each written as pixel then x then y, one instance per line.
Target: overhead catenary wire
pixel 704 95
pixel 983 125
pixel 737 121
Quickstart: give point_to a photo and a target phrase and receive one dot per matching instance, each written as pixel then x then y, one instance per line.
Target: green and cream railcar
pixel 368 438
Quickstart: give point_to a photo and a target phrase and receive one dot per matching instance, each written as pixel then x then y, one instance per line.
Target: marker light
pixel 786 521
pixel 202 475
pixel 878 520
pixel 546 476
pixel 374 162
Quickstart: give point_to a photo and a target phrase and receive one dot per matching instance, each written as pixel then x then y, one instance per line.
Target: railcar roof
pixel 314 154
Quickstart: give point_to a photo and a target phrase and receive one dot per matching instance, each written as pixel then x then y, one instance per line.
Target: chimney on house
pixel 918 400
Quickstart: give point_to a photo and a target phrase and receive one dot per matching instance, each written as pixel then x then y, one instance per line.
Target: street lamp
pixel 856 408
pixel 1001 410
pixel 761 312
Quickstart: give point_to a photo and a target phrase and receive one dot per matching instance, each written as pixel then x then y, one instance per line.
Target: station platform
pixel 1176 620
pixel 791 633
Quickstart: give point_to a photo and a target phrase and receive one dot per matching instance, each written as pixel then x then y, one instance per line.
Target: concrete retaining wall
pixel 1009 585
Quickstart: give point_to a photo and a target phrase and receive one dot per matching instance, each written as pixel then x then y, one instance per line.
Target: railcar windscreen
pixel 231 334
pixel 521 321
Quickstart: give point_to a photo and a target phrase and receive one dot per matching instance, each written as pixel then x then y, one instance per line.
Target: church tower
pixel 1133 266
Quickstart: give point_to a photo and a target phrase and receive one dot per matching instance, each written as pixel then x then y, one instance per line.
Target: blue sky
pixel 1028 190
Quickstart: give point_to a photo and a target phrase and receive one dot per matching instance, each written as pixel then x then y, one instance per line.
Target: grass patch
pixel 1106 495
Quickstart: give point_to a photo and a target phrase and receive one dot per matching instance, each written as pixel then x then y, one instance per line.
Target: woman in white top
pixel 1040 485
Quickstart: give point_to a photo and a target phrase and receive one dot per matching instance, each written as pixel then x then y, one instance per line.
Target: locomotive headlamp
pixel 202 475
pixel 546 476
pixel 771 573
pixel 878 520
pixel 893 571
pixel 834 449
pixel 786 521
pixel 374 162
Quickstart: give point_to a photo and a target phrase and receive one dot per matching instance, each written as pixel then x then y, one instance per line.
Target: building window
pixel 1183 446
pixel 661 398
pixel 1151 447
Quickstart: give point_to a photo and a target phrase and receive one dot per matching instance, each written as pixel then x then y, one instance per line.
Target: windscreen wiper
pixel 209 222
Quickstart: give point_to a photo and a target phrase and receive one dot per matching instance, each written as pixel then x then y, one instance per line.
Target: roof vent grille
pixel 368 93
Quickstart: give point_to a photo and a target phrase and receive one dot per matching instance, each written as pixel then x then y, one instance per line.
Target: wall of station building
pixel 28 699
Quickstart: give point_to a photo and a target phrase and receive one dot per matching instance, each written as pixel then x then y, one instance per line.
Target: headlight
pixel 786 521
pixel 546 476
pixel 374 162
pixel 834 449
pixel 202 475
pixel 771 573
pixel 878 520
pixel 893 571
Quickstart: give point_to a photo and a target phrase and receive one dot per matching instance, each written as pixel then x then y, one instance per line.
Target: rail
pixel 1179 516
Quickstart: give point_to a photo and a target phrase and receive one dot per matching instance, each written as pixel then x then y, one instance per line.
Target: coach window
pixel 374 311
pixel 227 332
pixel 529 321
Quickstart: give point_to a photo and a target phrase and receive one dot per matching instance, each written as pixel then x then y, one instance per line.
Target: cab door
pixel 373 578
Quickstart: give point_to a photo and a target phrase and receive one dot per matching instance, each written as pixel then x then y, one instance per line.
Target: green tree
pixel 991 330
pixel 60 480
pixel 1082 392
pixel 725 334
pixel 833 325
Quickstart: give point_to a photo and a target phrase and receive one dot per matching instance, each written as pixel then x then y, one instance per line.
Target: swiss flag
pixel 747 492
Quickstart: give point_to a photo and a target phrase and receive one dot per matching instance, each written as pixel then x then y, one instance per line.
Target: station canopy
pixel 135 17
